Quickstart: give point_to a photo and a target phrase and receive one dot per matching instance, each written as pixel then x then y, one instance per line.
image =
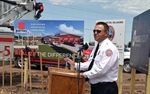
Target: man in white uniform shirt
pixel 101 69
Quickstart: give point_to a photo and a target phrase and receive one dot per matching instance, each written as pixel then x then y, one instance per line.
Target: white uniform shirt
pixel 105 66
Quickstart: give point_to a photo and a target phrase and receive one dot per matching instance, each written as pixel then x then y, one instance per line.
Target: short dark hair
pixel 106 27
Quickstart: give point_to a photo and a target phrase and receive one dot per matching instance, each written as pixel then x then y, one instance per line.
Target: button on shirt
pixel 105 66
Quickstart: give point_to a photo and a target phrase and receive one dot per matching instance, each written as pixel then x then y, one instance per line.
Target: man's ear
pixel 106 33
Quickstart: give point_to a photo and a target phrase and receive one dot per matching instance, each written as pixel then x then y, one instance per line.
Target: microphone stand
pixel 84 47
pixel 78 68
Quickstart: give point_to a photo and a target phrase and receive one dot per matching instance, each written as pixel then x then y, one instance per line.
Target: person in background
pixel 101 69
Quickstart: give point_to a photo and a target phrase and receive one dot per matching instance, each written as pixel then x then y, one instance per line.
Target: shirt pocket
pixel 98 59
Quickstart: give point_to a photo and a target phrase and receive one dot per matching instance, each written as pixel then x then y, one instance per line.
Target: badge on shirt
pixel 108 52
pixel 98 52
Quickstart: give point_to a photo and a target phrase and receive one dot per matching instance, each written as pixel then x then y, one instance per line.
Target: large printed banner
pixel 49 37
pixel 140 47
pixel 116 35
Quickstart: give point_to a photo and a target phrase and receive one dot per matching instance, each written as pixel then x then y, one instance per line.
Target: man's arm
pixel 83 66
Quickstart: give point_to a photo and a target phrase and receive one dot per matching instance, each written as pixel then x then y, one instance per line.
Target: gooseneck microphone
pixel 84 47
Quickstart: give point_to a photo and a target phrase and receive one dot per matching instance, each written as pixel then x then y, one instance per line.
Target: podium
pixel 62 81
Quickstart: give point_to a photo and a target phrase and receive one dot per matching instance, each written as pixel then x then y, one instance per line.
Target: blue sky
pixel 92 10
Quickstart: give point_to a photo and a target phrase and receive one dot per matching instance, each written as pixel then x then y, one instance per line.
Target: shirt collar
pixel 103 41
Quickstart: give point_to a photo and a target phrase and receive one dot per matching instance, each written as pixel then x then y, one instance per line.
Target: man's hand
pixel 81 74
pixel 69 61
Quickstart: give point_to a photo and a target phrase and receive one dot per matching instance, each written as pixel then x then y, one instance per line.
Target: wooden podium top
pixel 63 72
pixel 63 81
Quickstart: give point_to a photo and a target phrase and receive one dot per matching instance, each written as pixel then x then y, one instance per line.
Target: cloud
pixel 64 2
pixel 126 6
pixel 101 1
pixel 70 29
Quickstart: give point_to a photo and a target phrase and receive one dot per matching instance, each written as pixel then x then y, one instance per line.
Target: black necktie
pixel 91 64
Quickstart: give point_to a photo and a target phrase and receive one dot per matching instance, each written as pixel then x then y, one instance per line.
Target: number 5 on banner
pixel 6 51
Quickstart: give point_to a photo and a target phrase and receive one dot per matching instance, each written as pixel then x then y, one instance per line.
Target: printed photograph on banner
pixel 49 37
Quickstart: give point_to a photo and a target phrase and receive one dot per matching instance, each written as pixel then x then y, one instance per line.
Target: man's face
pixel 99 33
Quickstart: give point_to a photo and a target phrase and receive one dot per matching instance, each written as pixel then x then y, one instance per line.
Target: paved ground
pixel 37 87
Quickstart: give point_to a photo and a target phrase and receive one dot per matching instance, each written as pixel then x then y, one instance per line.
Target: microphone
pixel 84 47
